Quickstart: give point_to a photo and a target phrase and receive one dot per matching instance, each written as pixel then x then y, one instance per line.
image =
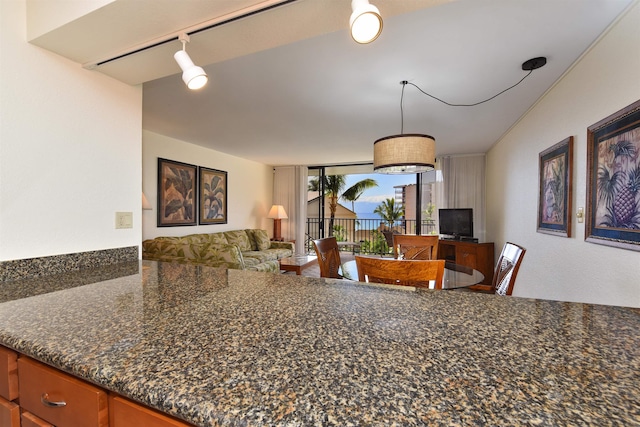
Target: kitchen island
pixel 229 347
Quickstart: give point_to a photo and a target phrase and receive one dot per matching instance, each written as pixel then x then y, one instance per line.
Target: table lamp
pixel 277 213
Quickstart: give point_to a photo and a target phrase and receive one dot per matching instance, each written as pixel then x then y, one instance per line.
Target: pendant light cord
pixel 405 82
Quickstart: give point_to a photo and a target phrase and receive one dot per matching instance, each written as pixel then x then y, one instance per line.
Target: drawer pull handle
pixel 46 402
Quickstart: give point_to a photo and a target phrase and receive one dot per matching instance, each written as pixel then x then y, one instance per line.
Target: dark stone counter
pixel 230 347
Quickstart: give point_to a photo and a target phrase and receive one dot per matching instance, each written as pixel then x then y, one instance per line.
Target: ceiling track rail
pixel 207 26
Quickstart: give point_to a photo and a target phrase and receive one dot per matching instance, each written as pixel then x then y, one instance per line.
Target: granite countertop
pixel 227 347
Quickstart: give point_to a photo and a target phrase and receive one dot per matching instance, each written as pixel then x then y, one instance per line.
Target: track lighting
pixel 193 76
pixel 365 21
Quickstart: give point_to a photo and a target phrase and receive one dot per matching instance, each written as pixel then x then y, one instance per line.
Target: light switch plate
pixel 124 220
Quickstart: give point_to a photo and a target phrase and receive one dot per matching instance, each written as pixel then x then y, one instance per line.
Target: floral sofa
pixel 238 249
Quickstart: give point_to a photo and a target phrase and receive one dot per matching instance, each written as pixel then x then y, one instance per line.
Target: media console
pixel 478 256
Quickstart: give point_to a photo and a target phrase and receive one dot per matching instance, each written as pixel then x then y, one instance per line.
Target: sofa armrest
pixel 283 245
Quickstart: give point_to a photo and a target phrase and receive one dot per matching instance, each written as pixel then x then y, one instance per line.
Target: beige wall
pixel 605 80
pixel 250 186
pixel 70 150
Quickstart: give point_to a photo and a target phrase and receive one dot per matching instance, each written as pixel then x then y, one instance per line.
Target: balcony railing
pixel 366 232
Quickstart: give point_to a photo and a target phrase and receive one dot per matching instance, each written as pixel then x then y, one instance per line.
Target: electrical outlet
pixel 124 220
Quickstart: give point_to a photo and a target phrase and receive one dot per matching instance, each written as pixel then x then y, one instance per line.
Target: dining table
pixel 455 276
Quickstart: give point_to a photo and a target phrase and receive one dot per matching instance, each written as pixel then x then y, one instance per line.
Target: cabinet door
pixel 30 420
pixel 59 398
pixel 9 414
pixel 8 374
pixel 466 255
pixel 124 413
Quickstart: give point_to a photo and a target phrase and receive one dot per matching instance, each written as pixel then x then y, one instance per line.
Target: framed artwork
pixel 213 196
pixel 554 192
pixel 613 180
pixel 176 193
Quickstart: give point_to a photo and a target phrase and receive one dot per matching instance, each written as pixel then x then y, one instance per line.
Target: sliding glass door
pixel 356 205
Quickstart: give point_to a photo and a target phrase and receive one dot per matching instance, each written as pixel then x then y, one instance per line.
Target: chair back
pixel 504 277
pixel 410 246
pixel 405 272
pixel 328 254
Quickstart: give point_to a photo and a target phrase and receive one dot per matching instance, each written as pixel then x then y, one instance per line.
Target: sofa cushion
pixel 261 256
pixel 267 267
pixel 162 246
pixel 240 238
pixel 260 238
pixel 218 238
pixel 200 239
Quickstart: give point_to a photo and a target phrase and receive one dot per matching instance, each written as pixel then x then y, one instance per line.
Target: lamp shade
pixel 145 203
pixel 277 212
pixel 365 21
pixel 406 153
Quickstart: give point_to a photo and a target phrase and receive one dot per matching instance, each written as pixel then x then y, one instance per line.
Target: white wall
pixel 605 80
pixel 70 150
pixel 249 187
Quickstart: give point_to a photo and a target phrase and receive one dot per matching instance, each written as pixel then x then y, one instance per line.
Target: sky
pixel 373 197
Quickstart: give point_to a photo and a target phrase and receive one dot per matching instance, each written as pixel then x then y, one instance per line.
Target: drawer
pixel 84 404
pixel 8 374
pixel 30 420
pixel 9 414
pixel 125 413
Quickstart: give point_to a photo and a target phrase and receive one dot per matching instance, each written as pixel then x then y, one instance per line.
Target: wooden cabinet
pixel 478 256
pixel 9 411
pixel 125 413
pixel 30 420
pixel 8 374
pixel 60 399
pixel 51 398
pixel 9 414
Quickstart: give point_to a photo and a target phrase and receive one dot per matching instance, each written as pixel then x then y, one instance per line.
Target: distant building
pixel 344 218
pixel 406 196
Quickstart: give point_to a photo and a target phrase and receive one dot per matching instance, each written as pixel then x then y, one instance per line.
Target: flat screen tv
pixel 457 223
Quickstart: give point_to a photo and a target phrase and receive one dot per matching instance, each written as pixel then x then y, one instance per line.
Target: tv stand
pixel 478 256
pixel 461 239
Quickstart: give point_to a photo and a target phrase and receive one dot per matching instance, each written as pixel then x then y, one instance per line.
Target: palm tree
pixel 333 189
pixel 389 211
pixel 353 193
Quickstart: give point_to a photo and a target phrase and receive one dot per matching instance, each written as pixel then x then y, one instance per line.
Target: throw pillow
pixel 262 239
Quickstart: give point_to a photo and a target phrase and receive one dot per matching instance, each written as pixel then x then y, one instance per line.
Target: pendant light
pixel 404 153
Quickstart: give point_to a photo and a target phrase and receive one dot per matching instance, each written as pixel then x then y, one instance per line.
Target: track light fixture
pixel 194 77
pixel 365 21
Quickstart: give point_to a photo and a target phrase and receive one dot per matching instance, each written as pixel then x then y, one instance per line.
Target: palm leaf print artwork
pixel 213 196
pixel 554 191
pixel 613 180
pixel 176 188
pixel 553 200
pixel 618 182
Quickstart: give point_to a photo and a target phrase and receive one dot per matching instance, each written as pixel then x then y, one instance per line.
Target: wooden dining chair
pixel 504 276
pixel 405 272
pixel 410 246
pixel 328 254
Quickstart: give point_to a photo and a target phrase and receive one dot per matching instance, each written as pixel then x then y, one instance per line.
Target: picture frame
pixel 212 196
pixel 177 202
pixel 555 189
pixel 613 180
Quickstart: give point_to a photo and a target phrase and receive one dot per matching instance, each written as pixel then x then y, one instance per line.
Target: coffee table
pixel 298 263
